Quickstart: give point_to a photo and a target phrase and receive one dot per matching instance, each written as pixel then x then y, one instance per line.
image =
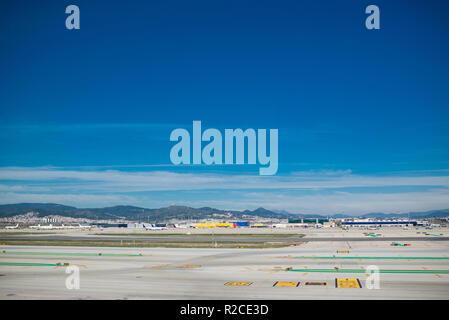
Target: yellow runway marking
pixel 315 283
pixel 231 283
pixel 347 283
pixel 286 284
pixel 189 266
pixel 305 273
pixel 157 266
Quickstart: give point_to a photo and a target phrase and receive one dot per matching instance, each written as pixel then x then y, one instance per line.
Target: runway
pixel 308 271
pixel 230 238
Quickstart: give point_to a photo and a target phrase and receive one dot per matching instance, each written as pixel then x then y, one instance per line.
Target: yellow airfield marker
pixel 233 283
pixel 315 283
pixel 347 283
pixel 286 284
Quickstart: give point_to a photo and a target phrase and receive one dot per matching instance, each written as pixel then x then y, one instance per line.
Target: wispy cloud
pixel 309 191
pixel 167 180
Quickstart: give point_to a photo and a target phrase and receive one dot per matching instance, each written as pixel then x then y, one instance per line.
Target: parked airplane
pixel 62 226
pixel 85 226
pixel 49 227
pixel 12 227
pixel 153 227
pixel 79 226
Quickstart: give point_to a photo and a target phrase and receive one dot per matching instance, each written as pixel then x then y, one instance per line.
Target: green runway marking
pixel 379 258
pixel 69 254
pixel 26 264
pixel 363 271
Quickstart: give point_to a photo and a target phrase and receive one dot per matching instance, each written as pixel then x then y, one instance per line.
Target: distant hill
pixel 180 212
pixel 133 213
pixel 414 215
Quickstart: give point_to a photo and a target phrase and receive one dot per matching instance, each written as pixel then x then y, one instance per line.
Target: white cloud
pixel 114 180
pixel 76 200
pixel 301 192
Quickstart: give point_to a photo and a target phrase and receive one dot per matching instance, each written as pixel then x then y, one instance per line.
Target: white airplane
pixel 49 227
pixel 79 226
pixel 153 227
pixel 12 227
pixel 182 226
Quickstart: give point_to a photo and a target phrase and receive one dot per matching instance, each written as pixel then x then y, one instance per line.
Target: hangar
pixel 387 223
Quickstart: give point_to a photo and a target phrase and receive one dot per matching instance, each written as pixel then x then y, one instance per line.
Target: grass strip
pixel 67 254
pixel 27 264
pixel 255 235
pixel 144 244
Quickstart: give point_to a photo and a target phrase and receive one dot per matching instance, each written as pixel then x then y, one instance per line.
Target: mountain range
pixel 181 212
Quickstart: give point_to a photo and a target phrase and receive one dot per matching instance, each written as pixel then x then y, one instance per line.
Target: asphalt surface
pixel 31 272
pixel 228 238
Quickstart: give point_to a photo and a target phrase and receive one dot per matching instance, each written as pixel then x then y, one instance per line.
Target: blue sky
pixel 85 115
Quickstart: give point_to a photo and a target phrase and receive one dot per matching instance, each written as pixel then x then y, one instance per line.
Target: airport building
pixel 308 220
pixel 379 223
pixel 208 225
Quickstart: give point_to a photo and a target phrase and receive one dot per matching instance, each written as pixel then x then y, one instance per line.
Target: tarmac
pixel 311 270
pixel 234 235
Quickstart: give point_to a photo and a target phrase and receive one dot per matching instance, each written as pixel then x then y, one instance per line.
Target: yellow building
pixel 214 225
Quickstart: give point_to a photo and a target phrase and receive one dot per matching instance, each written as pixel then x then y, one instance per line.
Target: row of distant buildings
pixel 223 222
pixel 290 223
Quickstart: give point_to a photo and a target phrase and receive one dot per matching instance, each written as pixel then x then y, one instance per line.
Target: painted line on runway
pixel 27 264
pixel 375 258
pixel 68 254
pixel 189 266
pixel 232 283
pixel 363 271
pixel 315 283
pixel 347 283
pixel 286 284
